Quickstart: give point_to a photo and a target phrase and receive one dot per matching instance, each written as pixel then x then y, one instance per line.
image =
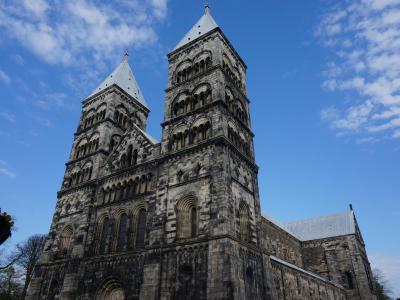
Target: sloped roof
pixel 124 78
pixel 203 26
pixel 148 136
pixel 323 227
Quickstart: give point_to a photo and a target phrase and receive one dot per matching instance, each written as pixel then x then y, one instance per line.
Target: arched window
pixel 186 217
pixel 114 142
pixel 66 239
pixel 244 222
pixel 105 238
pixel 122 233
pixel 141 229
pixel 111 290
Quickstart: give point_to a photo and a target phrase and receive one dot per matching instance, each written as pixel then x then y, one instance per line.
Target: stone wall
pixel 278 242
pixel 342 260
pixel 292 282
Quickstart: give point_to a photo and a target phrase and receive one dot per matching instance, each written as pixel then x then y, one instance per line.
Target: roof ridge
pixel 318 217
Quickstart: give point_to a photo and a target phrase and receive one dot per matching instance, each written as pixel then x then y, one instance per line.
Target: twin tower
pixel 177 219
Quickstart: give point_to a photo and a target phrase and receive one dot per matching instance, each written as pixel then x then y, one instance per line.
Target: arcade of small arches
pixel 186 102
pixel 238 140
pixel 235 106
pixel 184 136
pixel 86 146
pixel 93 116
pixel 123 232
pixel 80 174
pixel 188 69
pixel 121 116
pixel 127 189
pixel 233 72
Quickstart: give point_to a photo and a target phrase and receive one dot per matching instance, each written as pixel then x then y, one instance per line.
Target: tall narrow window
pixel 129 156
pixel 349 279
pixel 141 229
pixel 105 236
pixel 134 157
pixel 244 222
pixel 122 233
pixel 193 221
pixel 53 290
pixel 123 160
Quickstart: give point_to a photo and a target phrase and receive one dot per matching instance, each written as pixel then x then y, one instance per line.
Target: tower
pixel 110 145
pixel 208 139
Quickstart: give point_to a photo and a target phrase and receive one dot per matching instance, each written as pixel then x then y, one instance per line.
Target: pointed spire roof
pixel 203 26
pixel 124 78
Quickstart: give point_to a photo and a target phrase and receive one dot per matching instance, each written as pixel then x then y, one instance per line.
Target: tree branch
pixel 15 259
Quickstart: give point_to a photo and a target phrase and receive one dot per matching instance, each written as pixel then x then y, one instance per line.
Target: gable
pixel 135 147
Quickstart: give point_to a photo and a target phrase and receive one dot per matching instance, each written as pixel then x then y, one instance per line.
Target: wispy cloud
pixel 390 268
pixel 4 77
pixel 364 36
pixel 43 121
pixel 8 116
pixel 4 170
pixel 18 59
pixel 52 99
pixel 70 32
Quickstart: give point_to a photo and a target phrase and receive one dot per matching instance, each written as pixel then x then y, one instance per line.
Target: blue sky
pixel 322 80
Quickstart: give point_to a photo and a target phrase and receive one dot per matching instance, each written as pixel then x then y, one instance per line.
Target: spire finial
pixel 126 54
pixel 351 206
pixel 207 8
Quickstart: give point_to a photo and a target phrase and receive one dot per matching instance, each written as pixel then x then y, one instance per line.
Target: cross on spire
pixel 126 54
pixel 207 7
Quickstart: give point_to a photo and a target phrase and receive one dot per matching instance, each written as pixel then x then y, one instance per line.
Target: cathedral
pixel 180 218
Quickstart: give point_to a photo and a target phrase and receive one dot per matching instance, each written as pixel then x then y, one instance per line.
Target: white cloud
pixel 364 36
pixel 390 268
pixel 9 117
pixel 4 170
pixel 4 77
pixel 396 134
pixel 69 32
pixel 37 7
pixel 160 8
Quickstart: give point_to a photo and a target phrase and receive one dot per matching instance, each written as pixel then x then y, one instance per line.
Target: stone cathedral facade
pixel 180 218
